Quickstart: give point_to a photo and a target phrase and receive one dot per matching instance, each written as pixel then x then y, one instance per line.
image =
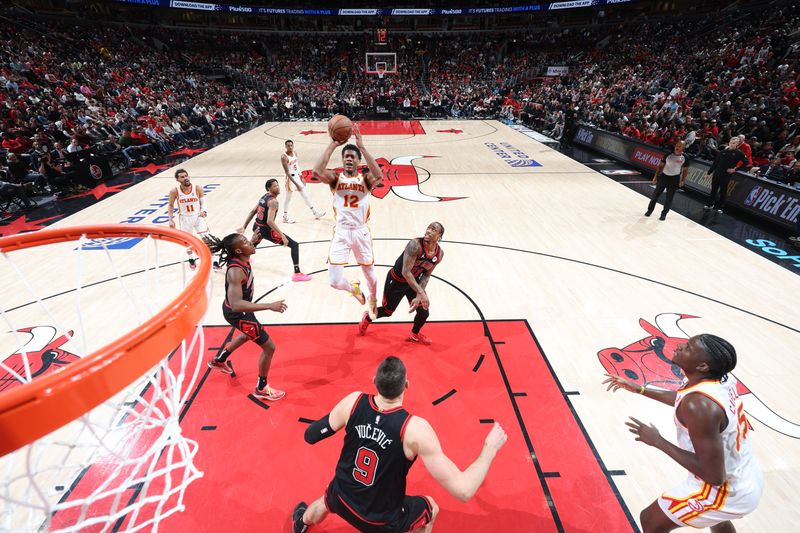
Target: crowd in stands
pixel 132 94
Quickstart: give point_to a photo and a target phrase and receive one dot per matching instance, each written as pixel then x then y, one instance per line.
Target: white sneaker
pixel 319 215
pixel 287 220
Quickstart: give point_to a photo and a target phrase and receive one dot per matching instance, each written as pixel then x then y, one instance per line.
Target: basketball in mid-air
pixel 340 128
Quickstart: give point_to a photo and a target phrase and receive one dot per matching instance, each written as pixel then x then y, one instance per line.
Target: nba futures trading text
pixel 262 10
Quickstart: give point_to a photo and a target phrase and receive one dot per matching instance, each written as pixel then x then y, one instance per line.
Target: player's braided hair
pixel 225 247
pixel 721 355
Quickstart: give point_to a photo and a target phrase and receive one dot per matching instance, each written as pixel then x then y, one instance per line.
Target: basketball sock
pixel 262 382
pixel 222 356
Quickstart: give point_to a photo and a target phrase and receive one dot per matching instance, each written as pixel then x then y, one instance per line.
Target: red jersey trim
pixel 376 408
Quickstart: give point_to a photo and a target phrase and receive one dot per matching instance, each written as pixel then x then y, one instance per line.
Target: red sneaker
pixel 222 367
pixel 364 324
pixel 268 393
pixel 419 338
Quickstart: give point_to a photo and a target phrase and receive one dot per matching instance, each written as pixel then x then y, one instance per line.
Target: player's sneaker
pixel 216 266
pixel 364 324
pixel 319 214
pixel 373 306
pixel 219 365
pixel 268 393
pixel 299 276
pixel 297 518
pixel 419 338
pixel 192 264
pixel 357 294
pixel 287 220
pixel 708 207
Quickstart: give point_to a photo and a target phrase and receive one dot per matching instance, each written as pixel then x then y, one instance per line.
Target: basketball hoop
pixel 118 403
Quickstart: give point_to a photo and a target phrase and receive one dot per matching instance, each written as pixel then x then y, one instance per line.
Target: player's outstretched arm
pixel 332 422
pixel 703 418
pixel 409 256
pixel 617 382
pixel 375 176
pixel 250 216
pixel 421 437
pixel 235 278
pixel 321 170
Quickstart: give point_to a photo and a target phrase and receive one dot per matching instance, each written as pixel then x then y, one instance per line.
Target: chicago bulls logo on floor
pixel 648 362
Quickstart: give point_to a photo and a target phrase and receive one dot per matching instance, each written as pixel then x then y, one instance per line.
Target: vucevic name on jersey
pixel 372 468
pixel 423 263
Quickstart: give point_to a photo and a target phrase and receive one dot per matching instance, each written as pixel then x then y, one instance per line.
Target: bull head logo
pixel 648 362
pixel 43 355
pixel 400 176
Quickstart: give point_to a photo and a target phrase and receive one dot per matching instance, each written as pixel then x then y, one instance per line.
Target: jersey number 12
pixel 351 200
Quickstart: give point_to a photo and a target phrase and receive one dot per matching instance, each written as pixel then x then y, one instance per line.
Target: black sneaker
pixel 193 264
pixel 297 518
pixel 663 216
pixel 648 213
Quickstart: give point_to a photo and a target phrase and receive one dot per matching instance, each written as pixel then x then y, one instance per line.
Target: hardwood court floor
pixel 531 235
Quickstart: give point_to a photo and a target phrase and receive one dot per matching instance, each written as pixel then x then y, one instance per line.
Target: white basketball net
pixel 123 466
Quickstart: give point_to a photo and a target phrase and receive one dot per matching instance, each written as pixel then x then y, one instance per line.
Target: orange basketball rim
pixel 45 404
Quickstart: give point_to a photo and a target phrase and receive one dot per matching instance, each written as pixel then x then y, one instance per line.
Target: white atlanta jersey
pixel 700 504
pixel 188 204
pixel 351 201
pixel 294 182
pixel 293 165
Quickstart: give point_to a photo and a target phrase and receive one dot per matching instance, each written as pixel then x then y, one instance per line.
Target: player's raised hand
pixel 357 135
pixel 495 439
pixel 279 306
pixel 617 382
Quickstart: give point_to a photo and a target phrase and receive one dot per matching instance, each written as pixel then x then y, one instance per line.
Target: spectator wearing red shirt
pixel 747 150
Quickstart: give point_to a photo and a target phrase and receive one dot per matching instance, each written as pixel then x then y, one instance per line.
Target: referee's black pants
pixel 670 183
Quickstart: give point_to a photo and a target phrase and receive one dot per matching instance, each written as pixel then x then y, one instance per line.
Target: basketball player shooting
pixel 351 192
pixel 294 182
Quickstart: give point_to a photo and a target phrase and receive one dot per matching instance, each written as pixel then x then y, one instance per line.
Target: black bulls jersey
pixel 262 214
pixel 423 264
pixel 372 469
pixel 247 284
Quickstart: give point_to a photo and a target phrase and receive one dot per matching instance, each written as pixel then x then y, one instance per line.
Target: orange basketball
pixel 340 128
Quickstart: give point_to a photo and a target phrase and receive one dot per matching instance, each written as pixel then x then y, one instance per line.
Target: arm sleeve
pixel 319 430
